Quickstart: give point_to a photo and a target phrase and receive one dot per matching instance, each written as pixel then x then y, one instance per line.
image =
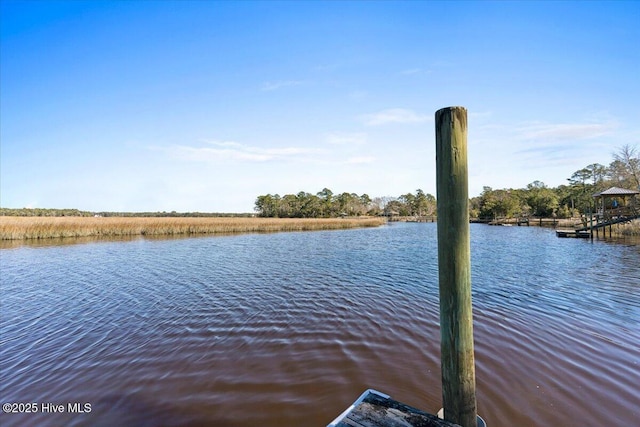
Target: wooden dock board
pixel 573 233
pixel 376 409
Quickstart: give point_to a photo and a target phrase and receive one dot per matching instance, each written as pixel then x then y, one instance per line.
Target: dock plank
pixel 375 409
pixel 573 233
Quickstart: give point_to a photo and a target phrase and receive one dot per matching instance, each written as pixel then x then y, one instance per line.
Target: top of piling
pixel 452 107
pixel 460 113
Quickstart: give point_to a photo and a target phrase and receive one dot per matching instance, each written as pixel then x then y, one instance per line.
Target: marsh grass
pixel 629 229
pixel 20 228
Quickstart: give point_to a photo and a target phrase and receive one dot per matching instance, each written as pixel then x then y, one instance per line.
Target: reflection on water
pixel 289 328
pixel 66 241
pixel 63 241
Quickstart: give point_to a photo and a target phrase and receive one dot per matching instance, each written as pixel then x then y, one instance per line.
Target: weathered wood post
pixel 454 266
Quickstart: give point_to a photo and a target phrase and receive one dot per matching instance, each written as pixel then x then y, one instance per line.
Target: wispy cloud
pixel 347 138
pixel 271 86
pixel 534 146
pixel 565 131
pixel 327 67
pixel 415 72
pixel 358 95
pixel 410 71
pixel 480 114
pixel 231 150
pixel 560 144
pixel 394 115
pixel 360 160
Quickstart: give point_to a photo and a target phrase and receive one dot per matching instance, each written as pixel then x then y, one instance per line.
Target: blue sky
pixel 203 106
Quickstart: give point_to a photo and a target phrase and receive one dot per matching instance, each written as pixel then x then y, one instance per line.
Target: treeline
pixel 564 201
pixel 79 213
pixel 326 204
pixel 43 212
pixel 174 214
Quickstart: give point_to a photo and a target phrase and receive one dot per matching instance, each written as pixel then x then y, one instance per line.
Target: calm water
pixel 288 329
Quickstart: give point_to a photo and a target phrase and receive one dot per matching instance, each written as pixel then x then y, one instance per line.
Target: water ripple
pixel 287 329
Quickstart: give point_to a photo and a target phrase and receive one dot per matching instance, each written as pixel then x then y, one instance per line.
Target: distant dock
pixel 614 206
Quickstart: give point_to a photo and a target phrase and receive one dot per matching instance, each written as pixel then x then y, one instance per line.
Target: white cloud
pixel 410 71
pixel 347 138
pixel 360 160
pixel 231 150
pixel 514 154
pixel 394 115
pixel 358 95
pixel 565 131
pixel 206 154
pixel 480 115
pixel 225 143
pixel 327 67
pixel 270 86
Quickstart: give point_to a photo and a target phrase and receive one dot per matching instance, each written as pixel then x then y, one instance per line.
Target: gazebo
pixel 616 203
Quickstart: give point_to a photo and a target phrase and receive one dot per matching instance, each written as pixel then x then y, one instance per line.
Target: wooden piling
pixel 454 266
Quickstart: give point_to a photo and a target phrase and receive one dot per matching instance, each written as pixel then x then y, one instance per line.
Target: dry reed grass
pixel 17 228
pixel 629 229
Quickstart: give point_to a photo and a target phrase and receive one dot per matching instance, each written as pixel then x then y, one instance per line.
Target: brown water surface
pixel 288 329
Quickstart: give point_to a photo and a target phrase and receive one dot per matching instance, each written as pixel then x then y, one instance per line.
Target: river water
pixel 288 329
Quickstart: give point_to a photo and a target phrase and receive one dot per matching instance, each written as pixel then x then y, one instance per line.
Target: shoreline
pixel 16 228
pixel 629 229
pixel 39 228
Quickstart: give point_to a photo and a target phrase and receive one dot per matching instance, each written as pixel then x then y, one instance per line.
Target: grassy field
pixel 20 228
